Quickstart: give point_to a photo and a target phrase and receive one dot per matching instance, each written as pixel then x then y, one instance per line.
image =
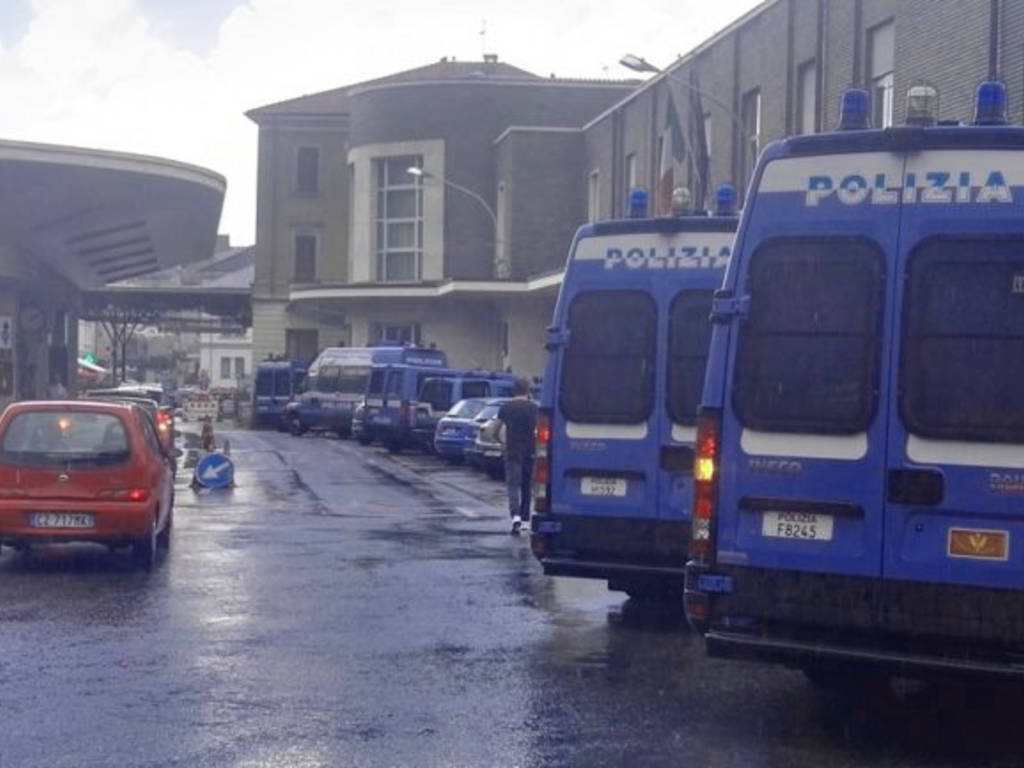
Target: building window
pixel 305 259
pixel 301 344
pixel 594 197
pixel 225 367
pixel 239 367
pixel 807 97
pixel 399 220
pixel 881 60
pixel 631 178
pixel 307 171
pixel 750 116
pixel 408 333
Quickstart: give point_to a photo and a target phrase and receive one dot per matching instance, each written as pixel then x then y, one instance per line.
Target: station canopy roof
pixel 99 217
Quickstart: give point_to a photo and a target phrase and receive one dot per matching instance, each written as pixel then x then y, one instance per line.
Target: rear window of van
pixel 962 363
pixel 608 364
pixel 808 355
pixel 689 333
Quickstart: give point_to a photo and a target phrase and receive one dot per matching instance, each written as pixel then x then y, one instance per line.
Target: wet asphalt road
pixel 341 609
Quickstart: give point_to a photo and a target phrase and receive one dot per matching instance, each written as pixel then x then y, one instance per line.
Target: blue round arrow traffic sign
pixel 215 470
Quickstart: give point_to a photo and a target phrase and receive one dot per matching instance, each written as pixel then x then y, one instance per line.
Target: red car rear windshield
pixel 64 438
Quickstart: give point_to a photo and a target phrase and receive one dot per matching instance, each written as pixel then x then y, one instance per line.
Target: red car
pixel 85 471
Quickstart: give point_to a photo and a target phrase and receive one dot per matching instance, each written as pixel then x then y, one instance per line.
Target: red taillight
pixel 126 494
pixel 403 413
pixel 705 476
pixel 542 463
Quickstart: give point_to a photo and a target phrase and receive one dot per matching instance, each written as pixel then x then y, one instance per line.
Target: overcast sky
pixel 173 77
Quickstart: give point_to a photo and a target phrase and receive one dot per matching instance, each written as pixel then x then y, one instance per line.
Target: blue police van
pixel 275 382
pixel 860 447
pixel 336 382
pixel 626 355
pixel 438 394
pixel 388 409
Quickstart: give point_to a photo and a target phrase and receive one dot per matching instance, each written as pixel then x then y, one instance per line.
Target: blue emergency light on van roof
pixel 990 103
pixel 637 203
pixel 725 200
pixel 855 110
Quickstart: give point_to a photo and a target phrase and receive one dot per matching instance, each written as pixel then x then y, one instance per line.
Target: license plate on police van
pixel 61 520
pixel 603 486
pixel 809 526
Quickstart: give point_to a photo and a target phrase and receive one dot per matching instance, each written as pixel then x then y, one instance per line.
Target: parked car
pixel 456 431
pixel 163 415
pixel 84 471
pixel 487 452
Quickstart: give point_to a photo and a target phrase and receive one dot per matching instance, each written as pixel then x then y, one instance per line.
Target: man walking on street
pixel 519 419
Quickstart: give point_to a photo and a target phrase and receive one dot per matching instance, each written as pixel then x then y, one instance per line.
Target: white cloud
pixel 102 74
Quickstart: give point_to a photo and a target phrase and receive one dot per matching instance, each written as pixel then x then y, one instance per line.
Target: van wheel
pixel 495 473
pixel 296 428
pixel 144 549
pixel 363 440
pixel 394 447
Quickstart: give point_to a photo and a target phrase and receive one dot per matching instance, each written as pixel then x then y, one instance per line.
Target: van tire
pixel 394 447
pixel 296 428
pixel 363 440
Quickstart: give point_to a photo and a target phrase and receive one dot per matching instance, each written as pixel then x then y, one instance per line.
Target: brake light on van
pixel 403 413
pixel 542 463
pixel 705 474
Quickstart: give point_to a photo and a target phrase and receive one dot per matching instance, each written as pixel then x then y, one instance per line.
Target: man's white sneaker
pixel 517 523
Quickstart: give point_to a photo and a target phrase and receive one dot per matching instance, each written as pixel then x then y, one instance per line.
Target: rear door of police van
pixel 954 515
pixel 802 486
pixel 604 426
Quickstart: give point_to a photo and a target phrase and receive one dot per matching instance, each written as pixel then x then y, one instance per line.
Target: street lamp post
pixel 640 64
pixel 500 263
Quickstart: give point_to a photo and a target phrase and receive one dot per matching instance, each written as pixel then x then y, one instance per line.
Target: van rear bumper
pixel 915 662
pixel 815 619
pixel 614 548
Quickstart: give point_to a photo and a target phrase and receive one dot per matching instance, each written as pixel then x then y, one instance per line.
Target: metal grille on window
pixel 399 220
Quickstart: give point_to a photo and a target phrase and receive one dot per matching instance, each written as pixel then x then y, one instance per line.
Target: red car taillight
pixel 164 421
pixel 126 494
pixel 705 475
pixel 403 413
pixel 542 463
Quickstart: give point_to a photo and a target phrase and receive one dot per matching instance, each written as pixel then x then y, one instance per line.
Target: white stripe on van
pixel 683 434
pixel 925 451
pixel 581 431
pixel 805 446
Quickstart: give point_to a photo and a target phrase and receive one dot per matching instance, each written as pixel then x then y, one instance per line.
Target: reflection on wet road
pixel 339 609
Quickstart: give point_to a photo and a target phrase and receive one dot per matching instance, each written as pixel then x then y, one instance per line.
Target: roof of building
pixel 336 100
pixel 229 267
